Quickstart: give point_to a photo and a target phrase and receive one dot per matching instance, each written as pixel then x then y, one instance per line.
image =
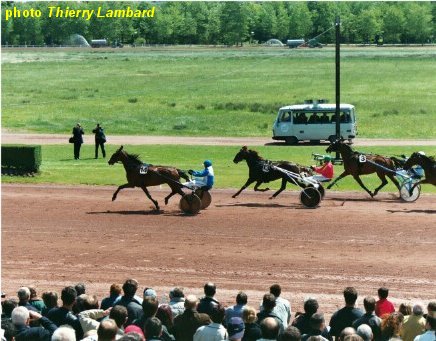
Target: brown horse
pixel 142 175
pixel 355 165
pixel 427 163
pixel 260 171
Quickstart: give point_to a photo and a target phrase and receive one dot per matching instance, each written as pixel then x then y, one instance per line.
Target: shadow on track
pixel 413 211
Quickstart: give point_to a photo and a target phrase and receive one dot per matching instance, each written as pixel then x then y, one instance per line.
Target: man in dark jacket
pixel 64 314
pixel 207 303
pixel 21 318
pixel 186 324
pixel 77 140
pixel 100 140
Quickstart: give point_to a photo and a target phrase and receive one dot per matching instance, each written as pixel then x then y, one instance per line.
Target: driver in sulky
pixel 325 171
pixel 203 179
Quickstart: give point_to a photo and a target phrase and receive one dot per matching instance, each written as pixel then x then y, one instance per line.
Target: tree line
pixel 229 23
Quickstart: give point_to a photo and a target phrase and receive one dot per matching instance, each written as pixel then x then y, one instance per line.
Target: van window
pixel 286 116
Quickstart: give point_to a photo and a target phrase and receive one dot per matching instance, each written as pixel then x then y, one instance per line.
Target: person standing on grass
pixel 77 140
pixel 100 140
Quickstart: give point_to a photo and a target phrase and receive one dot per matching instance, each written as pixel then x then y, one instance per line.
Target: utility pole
pixel 338 80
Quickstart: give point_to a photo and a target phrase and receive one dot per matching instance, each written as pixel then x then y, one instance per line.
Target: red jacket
pixel 383 306
pixel 325 170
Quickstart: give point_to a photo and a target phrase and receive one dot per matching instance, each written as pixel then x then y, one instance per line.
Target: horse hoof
pixel 113 198
pixel 271 198
pixel 233 196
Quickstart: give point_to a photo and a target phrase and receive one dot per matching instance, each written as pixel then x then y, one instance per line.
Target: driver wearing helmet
pixel 325 172
pixel 204 178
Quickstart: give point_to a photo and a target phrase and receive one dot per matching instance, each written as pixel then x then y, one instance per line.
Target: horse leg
pixel 114 196
pixel 256 187
pixel 149 197
pixel 359 181
pixel 343 175
pixel 382 177
pixel 281 189
pixel 248 183
pixel 174 190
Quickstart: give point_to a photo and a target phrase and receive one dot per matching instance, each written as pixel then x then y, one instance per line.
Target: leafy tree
pixel 368 25
pixel 393 24
pixel 419 22
pixel 234 23
pixel 300 20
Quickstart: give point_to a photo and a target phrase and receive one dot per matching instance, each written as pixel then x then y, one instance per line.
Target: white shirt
pixel 211 332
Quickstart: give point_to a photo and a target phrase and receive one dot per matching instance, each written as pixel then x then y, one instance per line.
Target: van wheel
pixel 291 140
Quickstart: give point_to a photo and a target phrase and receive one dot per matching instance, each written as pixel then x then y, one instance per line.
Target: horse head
pixel 336 146
pixel 116 157
pixel 241 155
pixel 417 158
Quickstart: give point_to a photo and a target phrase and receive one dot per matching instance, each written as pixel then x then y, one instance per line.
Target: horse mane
pixel 134 158
pixel 256 154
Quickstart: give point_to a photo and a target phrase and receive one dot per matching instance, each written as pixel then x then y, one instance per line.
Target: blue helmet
pixel 207 163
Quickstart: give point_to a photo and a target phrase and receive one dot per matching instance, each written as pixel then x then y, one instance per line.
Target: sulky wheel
pixel 320 189
pixel 405 191
pixel 190 204
pixel 205 198
pixel 310 197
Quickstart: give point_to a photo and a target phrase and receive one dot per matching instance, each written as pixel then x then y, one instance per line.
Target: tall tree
pixel 393 24
pixel 234 23
pixel 419 22
pixel 300 20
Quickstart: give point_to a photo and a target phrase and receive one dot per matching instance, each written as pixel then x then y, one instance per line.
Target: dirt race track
pixel 54 236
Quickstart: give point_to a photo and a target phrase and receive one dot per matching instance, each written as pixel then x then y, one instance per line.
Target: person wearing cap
pixel 204 178
pixel 77 140
pixel 235 328
pixel 100 140
pixel 325 172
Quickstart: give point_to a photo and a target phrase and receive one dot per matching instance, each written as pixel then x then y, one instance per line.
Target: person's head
pixel 353 337
pixel 249 314
pixel 129 287
pixel 165 315
pixel 241 298
pixel 369 304
pixel 346 332
pixel 20 316
pixel 150 305
pixel 153 328
pixel 383 292
pixel 90 302
pixel 430 321
pixel 80 288
pixel 64 333
pixel 149 292
pixel 8 306
pixel 418 310
pixel 79 304
pixel 68 296
pixel 350 296
pixel 327 158
pixel 33 293
pixel 98 125
pixel 391 324
pixel 217 313
pixel 9 330
pixel 107 330
pixel 269 328
pixel 275 289
pixel 268 302
pixel 23 294
pixel 119 314
pixel 365 332
pixel 317 321
pixel 207 163
pixel 405 309
pixel 50 299
pixel 209 288
pixel 311 306
pixel 176 293
pixel 235 328
pixel 78 125
pixel 290 334
pixel 431 307
pixel 133 333
pixel 191 302
pixel 115 289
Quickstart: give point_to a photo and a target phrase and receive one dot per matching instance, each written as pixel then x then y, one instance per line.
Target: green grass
pixel 59 167
pixel 213 91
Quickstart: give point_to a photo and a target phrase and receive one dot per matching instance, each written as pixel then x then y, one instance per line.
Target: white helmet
pixel 421 153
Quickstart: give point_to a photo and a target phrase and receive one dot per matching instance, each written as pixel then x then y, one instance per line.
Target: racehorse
pixel 427 163
pixel 260 171
pixel 353 166
pixel 140 175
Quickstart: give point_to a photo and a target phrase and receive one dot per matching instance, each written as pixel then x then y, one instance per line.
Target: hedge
pixel 23 158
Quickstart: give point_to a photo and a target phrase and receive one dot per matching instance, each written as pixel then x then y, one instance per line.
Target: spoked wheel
pixel 310 197
pixel 320 189
pixel 405 191
pixel 190 204
pixel 205 198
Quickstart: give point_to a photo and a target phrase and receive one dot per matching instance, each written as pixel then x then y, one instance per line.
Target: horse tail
pixel 183 174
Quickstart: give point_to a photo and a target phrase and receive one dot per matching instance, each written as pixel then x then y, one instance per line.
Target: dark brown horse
pixel 150 175
pixel 356 165
pixel 427 163
pixel 260 171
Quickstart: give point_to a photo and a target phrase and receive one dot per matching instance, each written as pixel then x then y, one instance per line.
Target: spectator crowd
pixel 125 315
